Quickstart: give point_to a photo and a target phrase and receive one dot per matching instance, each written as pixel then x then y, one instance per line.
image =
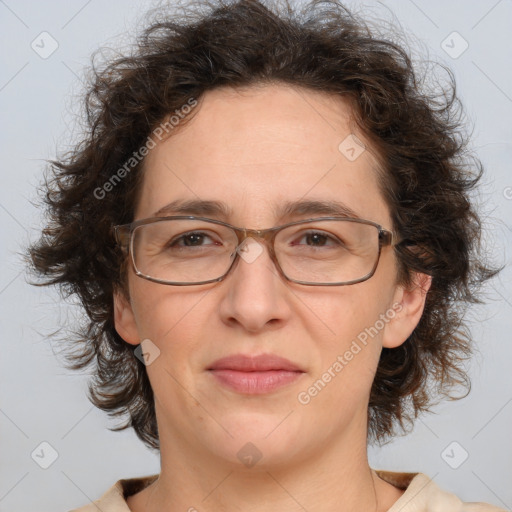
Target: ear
pixel 408 303
pixel 124 319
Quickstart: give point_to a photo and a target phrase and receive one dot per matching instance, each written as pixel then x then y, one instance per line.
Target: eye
pixel 192 239
pixel 318 239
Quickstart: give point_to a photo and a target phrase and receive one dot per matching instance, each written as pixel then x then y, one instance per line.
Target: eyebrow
pixel 221 210
pixel 315 207
pixel 196 207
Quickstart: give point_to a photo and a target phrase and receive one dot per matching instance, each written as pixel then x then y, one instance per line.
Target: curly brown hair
pixel 419 136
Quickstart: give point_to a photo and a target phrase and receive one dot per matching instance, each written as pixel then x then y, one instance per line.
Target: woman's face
pixel 256 150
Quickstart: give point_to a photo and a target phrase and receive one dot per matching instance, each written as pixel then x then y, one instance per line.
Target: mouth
pixel 254 375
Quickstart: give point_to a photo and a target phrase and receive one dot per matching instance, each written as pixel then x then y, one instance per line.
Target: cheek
pixel 352 321
pixel 174 321
pixel 162 311
pixel 341 384
pixel 345 312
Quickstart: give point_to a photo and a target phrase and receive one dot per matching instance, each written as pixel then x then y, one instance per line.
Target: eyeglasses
pixel 187 250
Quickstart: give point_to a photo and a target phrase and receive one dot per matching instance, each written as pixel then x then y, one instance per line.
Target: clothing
pixel 421 495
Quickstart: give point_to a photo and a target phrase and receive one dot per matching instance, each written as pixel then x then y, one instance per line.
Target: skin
pixel 252 149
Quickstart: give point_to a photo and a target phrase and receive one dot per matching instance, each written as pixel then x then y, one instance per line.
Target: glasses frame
pixel 123 235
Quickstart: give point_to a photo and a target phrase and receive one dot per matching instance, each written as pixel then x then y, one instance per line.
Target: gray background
pixel 40 401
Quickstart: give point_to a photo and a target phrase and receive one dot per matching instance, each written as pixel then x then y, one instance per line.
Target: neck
pixel 336 478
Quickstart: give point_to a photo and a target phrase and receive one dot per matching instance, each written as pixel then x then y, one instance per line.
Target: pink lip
pixel 255 375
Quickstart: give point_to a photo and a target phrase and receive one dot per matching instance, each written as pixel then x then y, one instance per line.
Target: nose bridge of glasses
pixel 265 235
pixel 259 236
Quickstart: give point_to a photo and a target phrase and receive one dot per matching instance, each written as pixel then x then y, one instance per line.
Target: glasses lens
pixel 183 251
pixel 330 251
pixel 193 251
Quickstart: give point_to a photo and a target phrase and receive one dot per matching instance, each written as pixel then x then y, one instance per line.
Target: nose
pixel 255 292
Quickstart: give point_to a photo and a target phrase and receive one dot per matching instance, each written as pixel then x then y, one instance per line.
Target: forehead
pixel 256 149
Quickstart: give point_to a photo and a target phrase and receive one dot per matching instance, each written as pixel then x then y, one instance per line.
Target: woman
pixel 268 225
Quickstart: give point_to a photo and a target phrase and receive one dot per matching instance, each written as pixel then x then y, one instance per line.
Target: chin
pixel 262 440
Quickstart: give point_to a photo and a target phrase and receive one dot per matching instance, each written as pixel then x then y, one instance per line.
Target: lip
pixel 261 363
pixel 255 375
